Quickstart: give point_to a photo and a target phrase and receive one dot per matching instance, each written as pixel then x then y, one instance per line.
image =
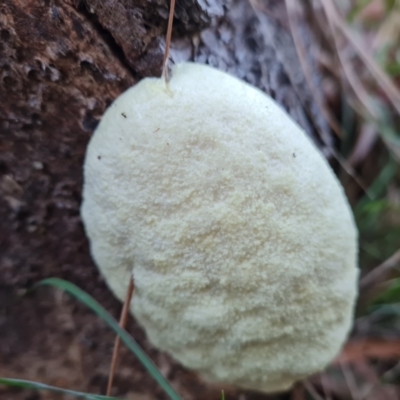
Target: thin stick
pixel 325 388
pixel 333 123
pixel 350 380
pixel 122 324
pixel 301 52
pixel 378 274
pixel 310 389
pixel 168 40
pixel 297 392
pixel 351 75
pixel 381 77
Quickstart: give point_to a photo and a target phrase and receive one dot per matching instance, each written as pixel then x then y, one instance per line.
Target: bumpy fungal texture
pixel 239 236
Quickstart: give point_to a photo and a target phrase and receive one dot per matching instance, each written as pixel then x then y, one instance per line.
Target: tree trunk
pixel 62 62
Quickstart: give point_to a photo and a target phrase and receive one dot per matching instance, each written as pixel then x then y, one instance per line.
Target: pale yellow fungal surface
pixel 239 237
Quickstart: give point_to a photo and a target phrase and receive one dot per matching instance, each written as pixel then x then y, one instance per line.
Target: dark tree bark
pixel 62 62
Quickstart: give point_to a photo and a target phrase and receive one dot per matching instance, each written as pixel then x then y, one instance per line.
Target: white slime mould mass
pixel 238 234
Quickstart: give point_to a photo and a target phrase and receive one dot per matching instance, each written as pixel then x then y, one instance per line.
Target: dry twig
pixel 168 39
pixel 360 350
pixel 350 380
pixel 122 324
pixel 310 389
pixel 378 274
pixel 384 81
pixel 291 11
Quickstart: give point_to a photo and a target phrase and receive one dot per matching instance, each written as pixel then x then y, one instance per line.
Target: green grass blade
pixel 380 184
pixel 113 324
pixel 23 384
pixel 391 294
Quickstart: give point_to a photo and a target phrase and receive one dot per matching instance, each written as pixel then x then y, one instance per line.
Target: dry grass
pixel 365 65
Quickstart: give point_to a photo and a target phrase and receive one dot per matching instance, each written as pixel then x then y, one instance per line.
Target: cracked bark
pixel 62 62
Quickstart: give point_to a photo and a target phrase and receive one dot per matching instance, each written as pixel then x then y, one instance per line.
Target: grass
pixel 377 212
pixel 24 384
pixel 127 339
